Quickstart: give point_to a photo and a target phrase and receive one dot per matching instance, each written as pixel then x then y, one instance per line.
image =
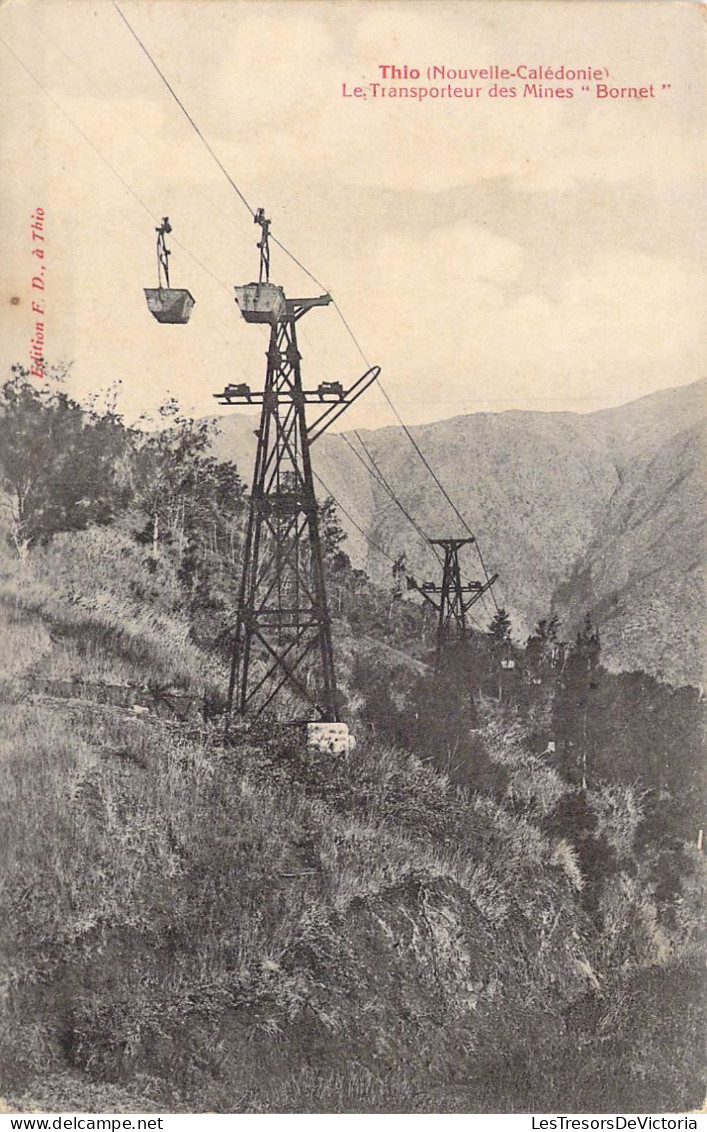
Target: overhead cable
pixel 108 164
pixel 314 279
pixel 380 479
pixel 349 516
pixel 182 107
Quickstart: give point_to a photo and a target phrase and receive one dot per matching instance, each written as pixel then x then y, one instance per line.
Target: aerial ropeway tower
pixel 282 640
pixel 282 643
pixel 453 598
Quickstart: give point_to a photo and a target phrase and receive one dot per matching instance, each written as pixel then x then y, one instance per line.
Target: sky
pixel 488 253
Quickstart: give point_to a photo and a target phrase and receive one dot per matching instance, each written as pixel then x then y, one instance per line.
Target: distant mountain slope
pixel 643 426
pixel 642 573
pixel 595 511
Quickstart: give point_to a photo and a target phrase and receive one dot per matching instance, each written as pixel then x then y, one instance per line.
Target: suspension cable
pixel 323 287
pixel 375 546
pixel 378 477
pixel 417 448
pixel 182 107
pixel 310 274
pixel 377 474
pixel 126 185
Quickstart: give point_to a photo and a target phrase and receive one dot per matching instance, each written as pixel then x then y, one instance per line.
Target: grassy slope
pixel 188 926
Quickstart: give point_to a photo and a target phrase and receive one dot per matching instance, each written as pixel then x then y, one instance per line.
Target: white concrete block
pixel 329 738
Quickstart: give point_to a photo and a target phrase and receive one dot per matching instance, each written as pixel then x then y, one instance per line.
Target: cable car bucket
pixel 262 301
pixel 165 303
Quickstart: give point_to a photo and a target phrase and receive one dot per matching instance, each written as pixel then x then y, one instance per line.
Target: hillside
pixel 494 902
pixel 597 511
pixel 642 573
pixel 197 926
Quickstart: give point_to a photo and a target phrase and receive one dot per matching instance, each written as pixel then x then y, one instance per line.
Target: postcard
pixel 351 558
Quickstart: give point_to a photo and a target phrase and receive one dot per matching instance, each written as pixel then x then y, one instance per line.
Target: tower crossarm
pixel 451 544
pixel 338 405
pixel 479 589
pixel 244 395
pixel 329 393
pixel 425 590
pixel 297 307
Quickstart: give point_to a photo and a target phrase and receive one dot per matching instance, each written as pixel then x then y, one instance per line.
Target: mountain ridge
pixel 551 496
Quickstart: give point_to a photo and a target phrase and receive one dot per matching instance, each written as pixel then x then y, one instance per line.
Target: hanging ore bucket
pixel 169 304
pixel 165 303
pixel 261 302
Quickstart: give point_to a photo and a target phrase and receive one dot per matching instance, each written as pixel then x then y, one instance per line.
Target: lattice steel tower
pixel 283 632
pixel 453 604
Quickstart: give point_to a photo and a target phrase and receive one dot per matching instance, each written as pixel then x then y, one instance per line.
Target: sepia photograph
pixel 352 573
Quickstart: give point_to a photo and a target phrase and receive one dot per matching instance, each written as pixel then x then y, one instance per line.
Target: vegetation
pixel 60 467
pixel 492 904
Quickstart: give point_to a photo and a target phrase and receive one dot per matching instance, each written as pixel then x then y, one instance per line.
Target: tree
pixel 212 511
pixel 164 465
pixel 181 491
pixel 575 708
pixel 588 644
pixel 398 570
pixel 190 509
pixel 543 650
pixel 331 533
pixel 546 630
pixel 499 629
pixel 61 465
